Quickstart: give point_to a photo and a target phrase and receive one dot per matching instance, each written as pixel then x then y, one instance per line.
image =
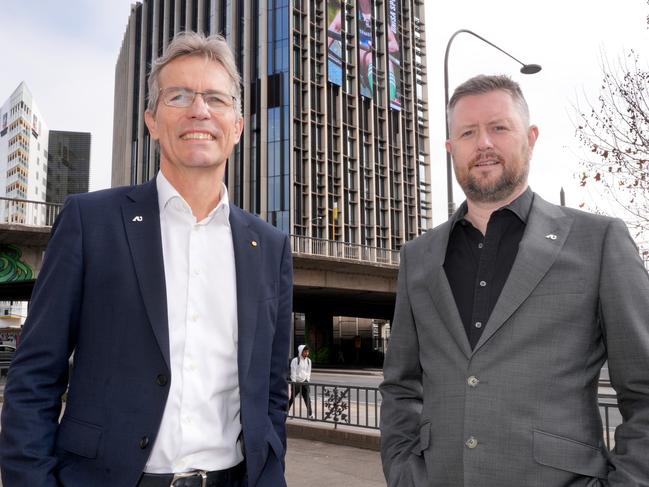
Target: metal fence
pixel 341 405
pixel 28 212
pixel 360 407
pixel 343 250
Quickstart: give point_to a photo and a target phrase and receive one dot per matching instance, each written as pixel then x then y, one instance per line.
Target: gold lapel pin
pixel 253 243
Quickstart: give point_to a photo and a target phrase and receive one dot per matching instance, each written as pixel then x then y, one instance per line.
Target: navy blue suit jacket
pixel 101 294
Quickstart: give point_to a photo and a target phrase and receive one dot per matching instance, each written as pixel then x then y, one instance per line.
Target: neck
pixel 201 189
pixel 479 212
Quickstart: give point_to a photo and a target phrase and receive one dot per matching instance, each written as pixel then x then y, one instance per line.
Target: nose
pixel 484 140
pixel 198 109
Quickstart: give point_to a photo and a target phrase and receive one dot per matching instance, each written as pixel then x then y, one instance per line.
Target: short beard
pixel 499 190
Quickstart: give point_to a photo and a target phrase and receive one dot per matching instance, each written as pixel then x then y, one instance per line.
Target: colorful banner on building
pixel 334 42
pixel 365 43
pixel 394 57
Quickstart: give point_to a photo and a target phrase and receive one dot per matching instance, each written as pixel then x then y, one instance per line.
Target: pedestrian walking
pixel 300 377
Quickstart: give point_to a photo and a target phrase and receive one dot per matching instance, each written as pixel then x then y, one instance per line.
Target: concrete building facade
pixel 317 158
pixel 23 157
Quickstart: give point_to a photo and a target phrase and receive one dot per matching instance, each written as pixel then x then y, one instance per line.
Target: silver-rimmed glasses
pixel 181 97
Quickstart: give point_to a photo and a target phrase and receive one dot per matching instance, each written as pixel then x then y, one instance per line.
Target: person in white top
pixel 300 377
pixel 164 292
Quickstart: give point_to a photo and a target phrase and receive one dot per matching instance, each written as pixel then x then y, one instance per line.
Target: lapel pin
pixel 551 236
pixel 253 243
pixel 137 218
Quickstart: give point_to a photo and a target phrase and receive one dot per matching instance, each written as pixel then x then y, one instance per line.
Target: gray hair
pixel 213 48
pixel 482 84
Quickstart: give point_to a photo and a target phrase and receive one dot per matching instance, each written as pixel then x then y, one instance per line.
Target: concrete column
pixel 319 335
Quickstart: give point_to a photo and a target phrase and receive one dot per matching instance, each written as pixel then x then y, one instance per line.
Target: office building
pixel 335 144
pixel 68 167
pixel 23 158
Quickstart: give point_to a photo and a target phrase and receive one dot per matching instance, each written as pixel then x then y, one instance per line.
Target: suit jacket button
pixel 161 380
pixel 471 442
pixel 144 442
pixel 473 381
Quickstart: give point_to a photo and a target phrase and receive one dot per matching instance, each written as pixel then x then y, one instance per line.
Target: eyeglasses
pixel 179 97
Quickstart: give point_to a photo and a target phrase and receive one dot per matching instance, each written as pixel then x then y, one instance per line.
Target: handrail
pixel 337 249
pixel 28 212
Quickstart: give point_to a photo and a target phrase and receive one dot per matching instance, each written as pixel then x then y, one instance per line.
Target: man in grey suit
pixel 504 317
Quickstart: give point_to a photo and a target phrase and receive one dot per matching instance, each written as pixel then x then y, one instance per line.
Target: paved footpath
pixel 318 464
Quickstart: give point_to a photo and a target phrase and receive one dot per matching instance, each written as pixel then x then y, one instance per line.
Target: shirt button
pixel 471 442
pixel 478 324
pixel 144 442
pixel 473 381
pixel 480 245
pixel 483 283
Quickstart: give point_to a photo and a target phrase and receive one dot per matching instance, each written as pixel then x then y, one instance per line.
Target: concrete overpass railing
pixel 28 212
pixel 343 250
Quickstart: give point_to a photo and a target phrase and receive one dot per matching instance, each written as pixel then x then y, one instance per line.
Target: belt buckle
pixel 185 475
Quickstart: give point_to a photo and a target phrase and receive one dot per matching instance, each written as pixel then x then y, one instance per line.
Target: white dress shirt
pixel 201 425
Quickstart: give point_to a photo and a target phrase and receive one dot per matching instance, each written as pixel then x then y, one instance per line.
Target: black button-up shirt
pixel 477 266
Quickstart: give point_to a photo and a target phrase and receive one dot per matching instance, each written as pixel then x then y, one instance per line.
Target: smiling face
pixel 194 139
pixel 491 146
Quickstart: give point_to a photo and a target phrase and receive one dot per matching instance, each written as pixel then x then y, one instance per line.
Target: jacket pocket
pixel 79 437
pixel 424 439
pixel 569 455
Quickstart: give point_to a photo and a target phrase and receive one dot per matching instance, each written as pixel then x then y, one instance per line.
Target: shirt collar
pixel 167 192
pixel 521 207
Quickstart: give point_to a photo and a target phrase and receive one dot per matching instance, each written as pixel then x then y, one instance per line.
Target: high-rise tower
pixel 335 144
pixel 23 157
pixel 68 168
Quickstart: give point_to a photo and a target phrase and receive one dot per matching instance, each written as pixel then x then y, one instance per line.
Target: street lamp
pixel 525 69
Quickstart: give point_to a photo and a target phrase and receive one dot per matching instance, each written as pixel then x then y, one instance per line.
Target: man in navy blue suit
pixel 165 293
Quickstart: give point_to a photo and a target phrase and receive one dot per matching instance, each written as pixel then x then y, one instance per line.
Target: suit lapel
pixel 546 232
pixel 141 215
pixel 247 256
pixel 440 289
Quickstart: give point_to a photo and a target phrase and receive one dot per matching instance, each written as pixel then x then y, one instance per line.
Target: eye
pixel 466 133
pixel 217 100
pixel 178 97
pixel 500 128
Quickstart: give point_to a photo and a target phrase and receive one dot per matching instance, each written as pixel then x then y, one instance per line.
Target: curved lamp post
pixel 525 69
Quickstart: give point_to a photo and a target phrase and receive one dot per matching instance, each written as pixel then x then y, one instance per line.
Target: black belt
pixel 195 478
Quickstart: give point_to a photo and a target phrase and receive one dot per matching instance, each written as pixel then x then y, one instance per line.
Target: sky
pixel 66 53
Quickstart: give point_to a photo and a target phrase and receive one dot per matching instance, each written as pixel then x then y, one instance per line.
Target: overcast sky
pixel 66 53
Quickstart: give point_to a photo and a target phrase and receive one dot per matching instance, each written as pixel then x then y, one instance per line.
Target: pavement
pixel 318 464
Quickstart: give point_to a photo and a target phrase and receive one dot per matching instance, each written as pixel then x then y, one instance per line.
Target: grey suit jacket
pixel 521 408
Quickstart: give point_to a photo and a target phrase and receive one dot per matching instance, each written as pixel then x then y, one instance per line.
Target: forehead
pixel 483 107
pixel 193 70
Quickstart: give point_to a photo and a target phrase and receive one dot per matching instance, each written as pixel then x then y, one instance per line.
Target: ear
pixel 149 120
pixel 448 145
pixel 239 123
pixel 532 135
